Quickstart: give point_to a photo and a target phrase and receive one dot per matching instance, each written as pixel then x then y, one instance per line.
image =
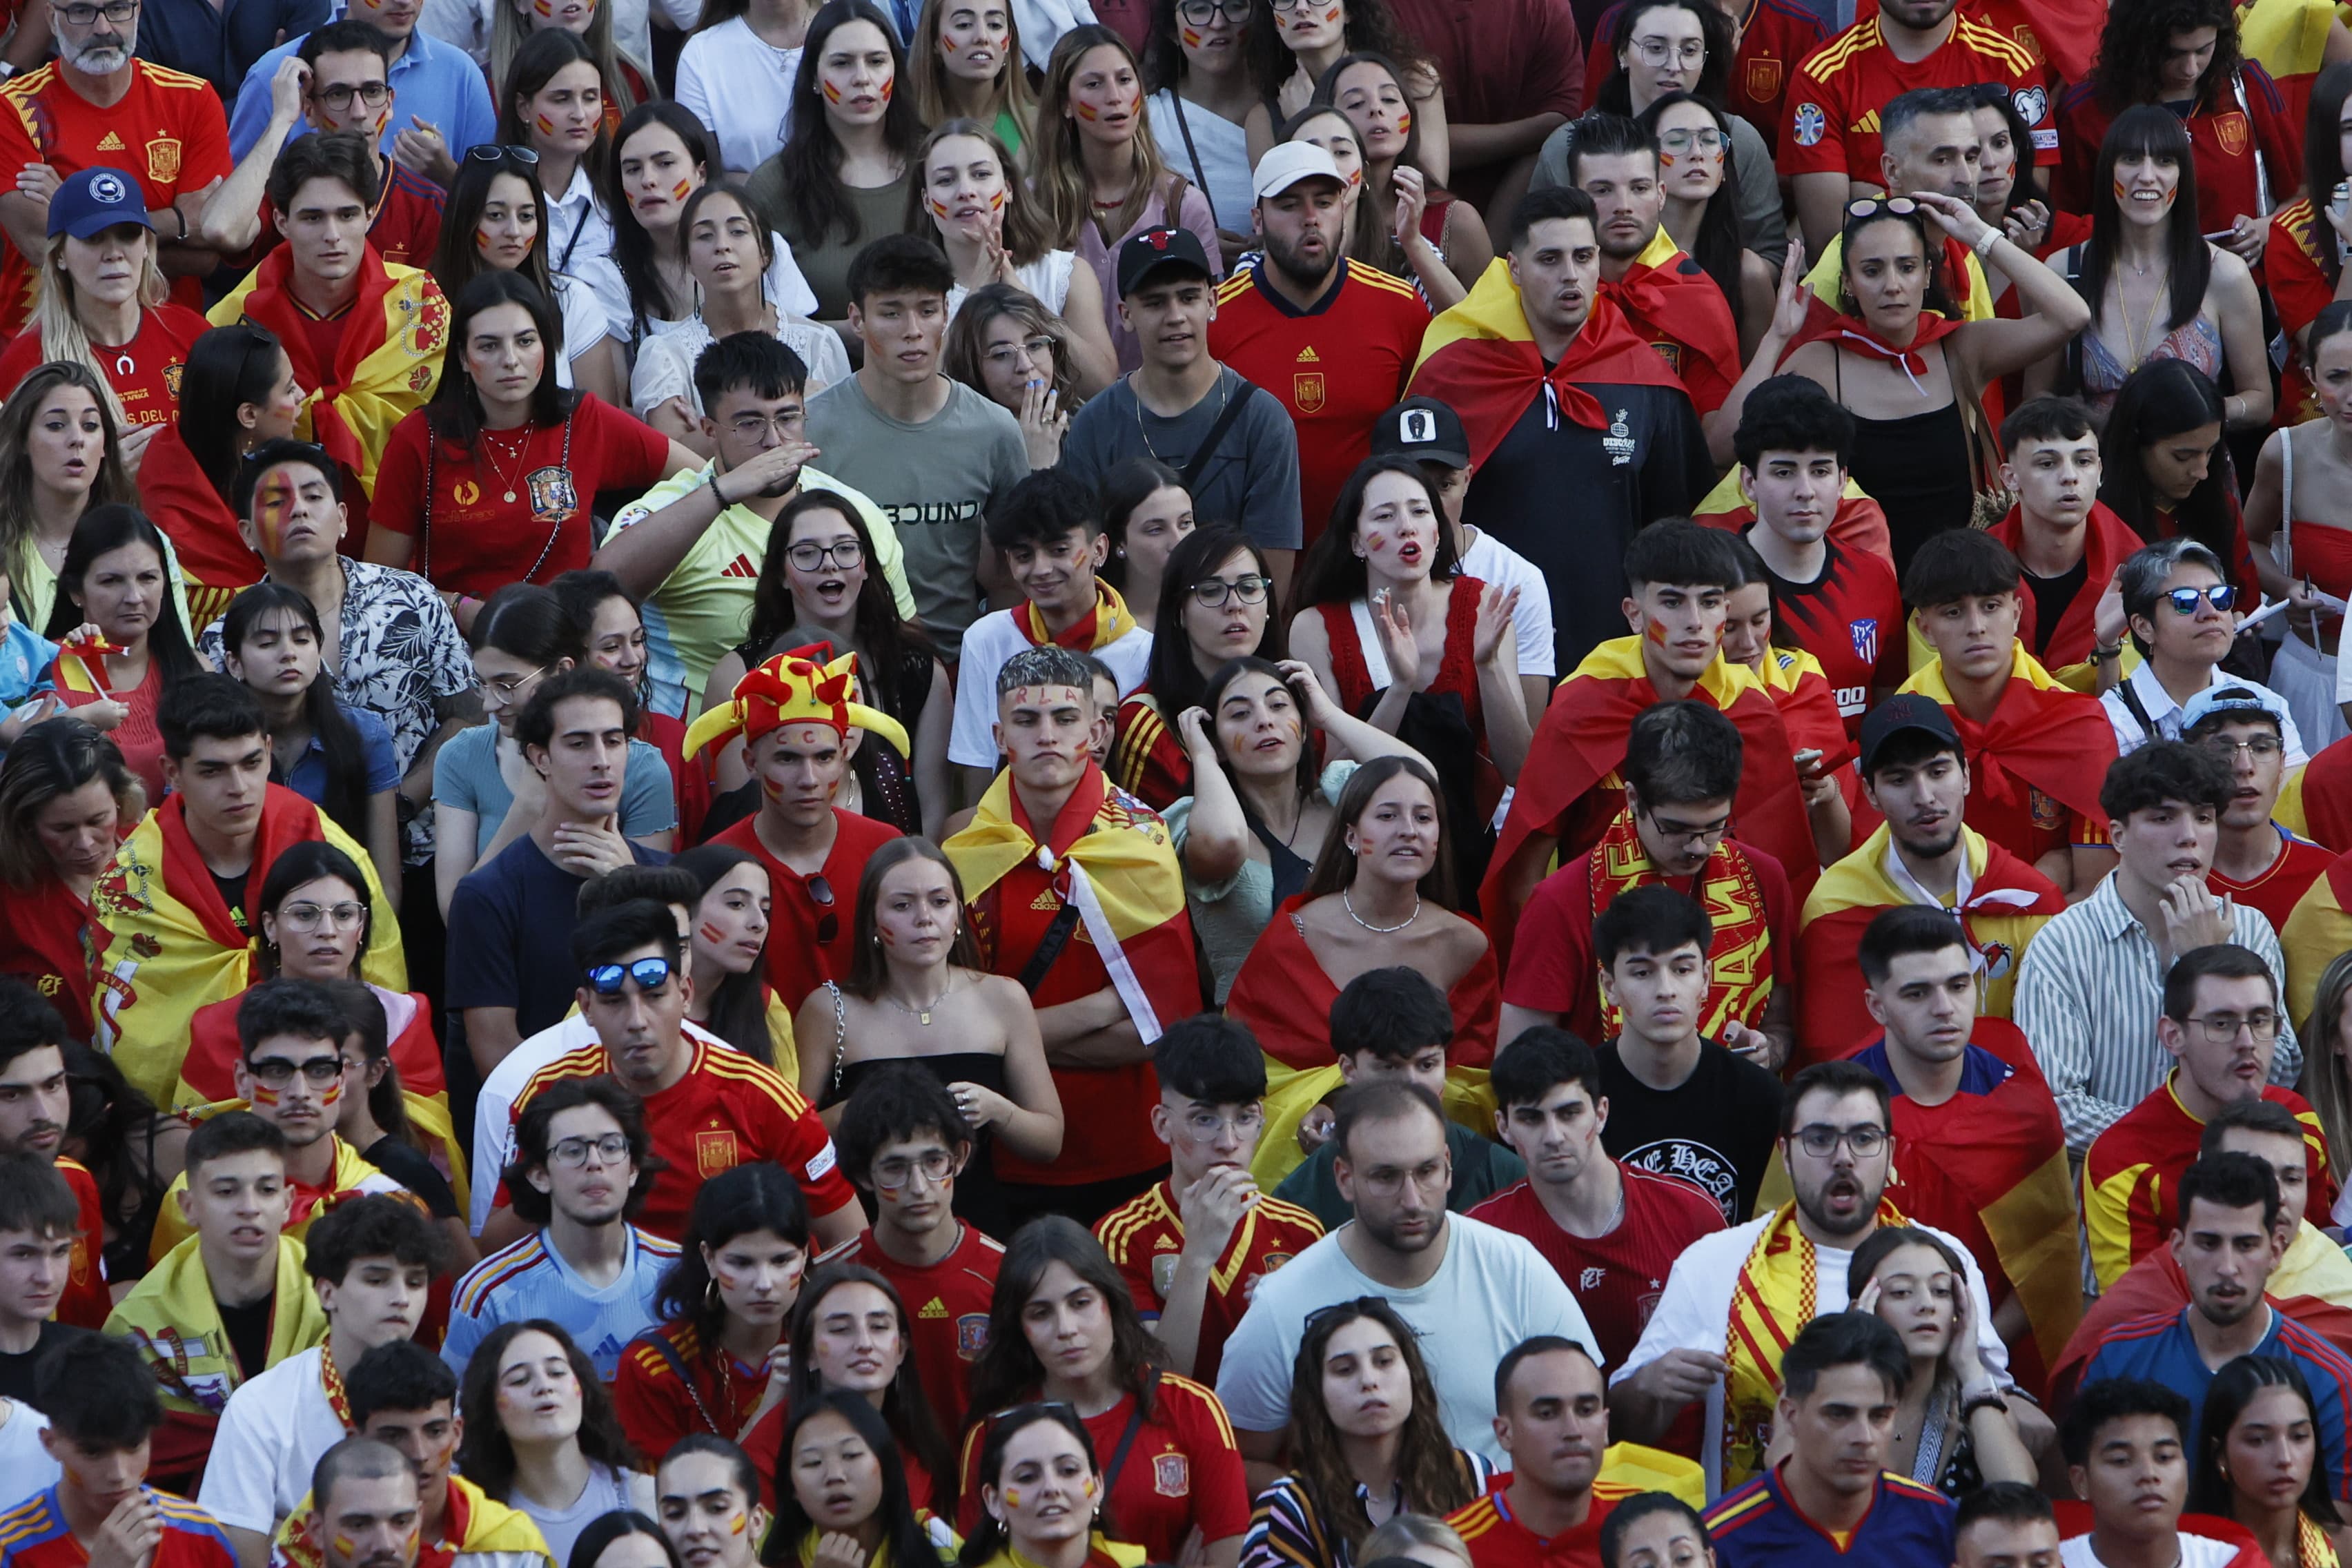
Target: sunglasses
pixel 499 152
pixel 650 974
pixel 1901 207
pixel 828 919
pixel 2222 596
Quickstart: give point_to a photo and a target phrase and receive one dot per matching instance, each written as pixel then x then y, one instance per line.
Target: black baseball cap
pixel 1903 713
pixel 1154 248
pixel 1423 429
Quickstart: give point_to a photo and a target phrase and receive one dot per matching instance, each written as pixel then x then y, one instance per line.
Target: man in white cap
pixel 2255 860
pixel 1335 340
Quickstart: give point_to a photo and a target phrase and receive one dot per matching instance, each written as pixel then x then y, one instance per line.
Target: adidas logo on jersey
pixel 1045 902
pixel 110 143
pixel 934 1307
pixel 1308 356
pixel 741 566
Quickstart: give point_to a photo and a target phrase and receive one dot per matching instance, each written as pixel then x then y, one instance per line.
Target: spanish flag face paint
pixel 263 1095
pixel 742 1522
pixel 345 1547
pixel 1191 37
pixel 832 93
pixel 1404 123
pixel 682 190
pixel 1085 110
pixel 996 201
pixel 889 85
pixel 546 126
pixel 939 208
pixel 272 504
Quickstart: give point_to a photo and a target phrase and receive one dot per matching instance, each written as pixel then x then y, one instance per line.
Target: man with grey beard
pixel 96 106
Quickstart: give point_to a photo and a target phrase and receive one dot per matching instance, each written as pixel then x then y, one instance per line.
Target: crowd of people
pixel 1233 783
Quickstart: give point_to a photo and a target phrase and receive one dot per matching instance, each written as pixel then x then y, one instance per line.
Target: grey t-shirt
pixel 1251 479
pixel 937 481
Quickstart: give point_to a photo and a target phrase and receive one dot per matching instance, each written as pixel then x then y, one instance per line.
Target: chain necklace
pixel 922 1015
pixel 2140 343
pixel 522 456
pixel 1227 389
pixel 1349 904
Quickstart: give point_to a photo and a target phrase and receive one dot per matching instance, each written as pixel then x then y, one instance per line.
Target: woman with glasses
pixel 970 194
pixel 1043 1499
pixel 1402 226
pixel 851 1335
pixel 236 391
pixel 2158 289
pixel 1398 639
pixel 2257 1462
pixel 485 795
pixel 337 757
pixel 1380 895
pixel 491 481
pixel 1063 1329
pixel 1261 800
pixel 495 221
pixel 66 801
pixel 2302 476
pixel 1952 1429
pixel 719 1359
pixel 1295 43
pixel 842 1496
pixel 1215 604
pixel 1367 1444
pixel 1006 345
pixel 915 974
pixel 818 583
pixel 1701 215
pixel 728 958
pixel 1198 70
pixel 1913 373
pixel 967 65
pixel 1148 512
pixel 733 259
pixel 542 1435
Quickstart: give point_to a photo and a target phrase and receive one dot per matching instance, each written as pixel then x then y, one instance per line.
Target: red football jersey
pixel 168 132
pixel 36 1534
pixel 2228 139
pixel 87 1303
pixel 809 941
pixel 1335 368
pixel 1496 1539
pixel 728 1110
pixel 1834 98
pixel 1144 1235
pixel 1617 1279
pixel 2277 891
pixel 1851 619
pixel 1182 1470
pixel 144 373
pixel 949 1302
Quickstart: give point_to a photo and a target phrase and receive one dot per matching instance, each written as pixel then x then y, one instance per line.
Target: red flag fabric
pixel 1283 996
pixel 2108 540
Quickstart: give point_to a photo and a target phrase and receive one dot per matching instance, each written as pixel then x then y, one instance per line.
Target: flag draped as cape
pixel 2107 541
pixel 2043 735
pixel 1808 706
pixel 1670 300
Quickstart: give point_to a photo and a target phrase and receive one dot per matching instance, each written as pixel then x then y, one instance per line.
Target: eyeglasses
pixel 1204 1125
pixel 935 1166
pixel 506 687
pixel 278 1072
pixel 2262 748
pixel 1684 141
pixel 1388 1182
pixel 1289 5
pixel 1037 351
pixel 1821 1140
pixel 841 555
pixel 753 428
pixel 1688 831
pixel 1201 13
pixel 311 917
pixel 1870 206
pixel 2220 1028
pixel 118 12
pixel 1211 593
pixel 499 152
pixel 650 974
pixel 1658 51
pixel 571 1153
pixel 828 919
pixel 2220 595
pixel 338 97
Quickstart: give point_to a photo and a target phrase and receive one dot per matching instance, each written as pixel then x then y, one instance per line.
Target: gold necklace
pixel 922 1015
pixel 522 455
pixel 2138 342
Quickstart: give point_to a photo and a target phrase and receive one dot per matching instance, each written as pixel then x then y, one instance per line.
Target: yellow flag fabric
pixel 1291 1093
pixel 172 1319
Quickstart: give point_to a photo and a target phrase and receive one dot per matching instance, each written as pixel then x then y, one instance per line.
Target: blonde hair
pixel 2325 1079
pixel 1404 1531
pixel 1010 94
pixel 1057 168
pixel 508 33
pixel 61 332
pixel 1024 234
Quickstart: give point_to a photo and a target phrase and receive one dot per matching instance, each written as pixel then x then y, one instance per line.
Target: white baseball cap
pixel 1284 167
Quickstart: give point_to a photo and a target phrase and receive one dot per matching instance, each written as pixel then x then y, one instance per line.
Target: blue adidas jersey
pixel 530 1279
pixel 1760 1526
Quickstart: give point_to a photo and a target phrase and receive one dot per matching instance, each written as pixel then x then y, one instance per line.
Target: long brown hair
pixel 2325 1082
pixel 867 971
pixel 928 67
pixel 1008 1370
pixel 1025 231
pixel 111 484
pixel 1335 864
pixel 1058 170
pixel 1434 1478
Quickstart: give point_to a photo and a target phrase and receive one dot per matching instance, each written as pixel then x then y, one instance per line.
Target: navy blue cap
pixel 1903 713
pixel 94 200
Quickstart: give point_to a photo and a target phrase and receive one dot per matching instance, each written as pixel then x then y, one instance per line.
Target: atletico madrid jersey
pixel 168 132
pixel 1835 95
pixel 728 1110
pixel 1145 1234
pixel 35 1534
pixel 949 1302
pixel 1851 619
pixel 1617 1279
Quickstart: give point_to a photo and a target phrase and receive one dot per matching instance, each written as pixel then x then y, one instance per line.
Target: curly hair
pixel 2139 36
pixel 1434 1478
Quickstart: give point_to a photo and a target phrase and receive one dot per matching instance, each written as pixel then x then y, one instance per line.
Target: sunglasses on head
pixel 499 152
pixel 650 974
pixel 828 919
pixel 1901 207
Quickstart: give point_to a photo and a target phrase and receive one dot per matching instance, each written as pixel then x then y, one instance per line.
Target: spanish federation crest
pixel 1865 639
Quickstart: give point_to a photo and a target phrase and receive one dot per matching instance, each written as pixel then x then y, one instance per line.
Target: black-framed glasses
pixel 810 556
pixel 1869 206
pixel 278 1072
pixel 828 919
pixel 374 94
pixel 571 1153
pixel 2220 595
pixel 1821 1140
pixel 650 974
pixel 116 12
pixel 1201 13
pixel 1211 593
pixel 1674 832
pixel 2220 1028
pixel 500 151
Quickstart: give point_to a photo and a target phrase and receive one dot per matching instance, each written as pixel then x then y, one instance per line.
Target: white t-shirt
pixel 2165 714
pixel 2196 1551
pixel 1490 560
pixel 1222 169
pixel 740 86
pixel 25 1468
pixel 1695 1313
pixel 606 1491
pixel 578 231
pixel 1493 1290
pixel 1046 279
pixel 987 644
pixel 781 286
pixel 271 1435
pixel 664 367
pixel 466 24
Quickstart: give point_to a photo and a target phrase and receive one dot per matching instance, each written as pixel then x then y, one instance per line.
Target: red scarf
pixel 272 303
pixel 1490 379
pixel 1850 332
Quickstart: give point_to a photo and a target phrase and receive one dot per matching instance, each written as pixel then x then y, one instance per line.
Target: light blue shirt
pixel 530 1279
pixel 439 83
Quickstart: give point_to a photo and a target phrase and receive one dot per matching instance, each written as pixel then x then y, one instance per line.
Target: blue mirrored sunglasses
pixel 650 974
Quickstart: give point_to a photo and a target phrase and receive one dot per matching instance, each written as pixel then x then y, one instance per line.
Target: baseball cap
pixel 2233 696
pixel 92 201
pixel 1903 713
pixel 1154 248
pixel 1423 429
pixel 1286 165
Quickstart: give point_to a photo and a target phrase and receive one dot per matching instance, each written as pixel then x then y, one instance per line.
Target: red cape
pixel 1284 998
pixel 2328 796
pixel 177 493
pixel 1810 712
pixel 2058 741
pixel 45 942
pixel 2109 539
pixel 1859 525
pixel 1489 382
pixel 272 304
pixel 287 819
pixel 1679 308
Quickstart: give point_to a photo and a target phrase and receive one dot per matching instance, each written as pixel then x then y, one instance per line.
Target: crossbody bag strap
pixel 1200 175
pixel 1126 1438
pixel 1194 466
pixel 2138 709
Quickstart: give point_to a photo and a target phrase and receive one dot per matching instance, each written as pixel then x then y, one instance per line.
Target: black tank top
pixel 1916 468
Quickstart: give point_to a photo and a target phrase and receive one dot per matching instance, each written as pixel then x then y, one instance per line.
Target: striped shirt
pixel 531 1279
pixel 1286 1530
pixel 2089 991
